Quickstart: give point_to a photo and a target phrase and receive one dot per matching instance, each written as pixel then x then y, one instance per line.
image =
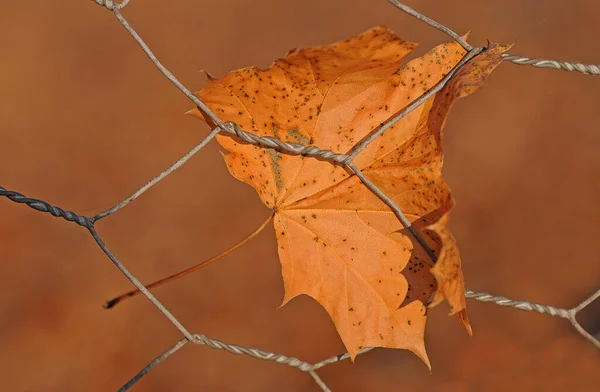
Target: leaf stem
pixel 113 302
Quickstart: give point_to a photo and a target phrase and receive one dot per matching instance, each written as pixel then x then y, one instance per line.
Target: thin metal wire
pixel 569 314
pixel 159 177
pixel 252 352
pixel 338 358
pixel 288 147
pixel 165 71
pixel 397 211
pixel 319 382
pixel 154 362
pixel 586 302
pixel 595 339
pixel 589 69
pixel 111 5
pixel 519 304
pixel 138 284
pixel 432 23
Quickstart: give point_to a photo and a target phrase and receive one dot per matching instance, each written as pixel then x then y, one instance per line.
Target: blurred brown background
pixel 85 119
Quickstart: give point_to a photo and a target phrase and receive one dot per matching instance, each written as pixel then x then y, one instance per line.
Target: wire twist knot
pixel 292 148
pixel 108 4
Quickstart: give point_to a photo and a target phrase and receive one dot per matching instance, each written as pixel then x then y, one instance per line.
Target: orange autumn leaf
pixel 337 241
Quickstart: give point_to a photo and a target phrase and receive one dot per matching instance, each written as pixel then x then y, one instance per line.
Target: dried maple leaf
pixel 338 242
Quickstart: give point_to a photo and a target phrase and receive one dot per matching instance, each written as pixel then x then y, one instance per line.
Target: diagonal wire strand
pixel 432 23
pixel 138 284
pixel 172 350
pixel 319 381
pixel 180 162
pixel 397 211
pixel 412 106
pixel 164 70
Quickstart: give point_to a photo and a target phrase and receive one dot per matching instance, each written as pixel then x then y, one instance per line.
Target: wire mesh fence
pixel 309 151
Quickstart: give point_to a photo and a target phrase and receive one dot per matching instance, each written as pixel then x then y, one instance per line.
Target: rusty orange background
pixel 85 119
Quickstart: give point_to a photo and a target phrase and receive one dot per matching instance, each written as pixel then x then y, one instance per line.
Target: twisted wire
pixel 109 4
pixel 269 356
pixel 432 23
pixel 590 69
pixel 338 358
pixel 112 5
pixel 519 304
pixel 292 148
pixel 43 206
pixel 252 352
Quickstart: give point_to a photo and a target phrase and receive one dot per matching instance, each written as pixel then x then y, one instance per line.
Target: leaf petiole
pixel 113 302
